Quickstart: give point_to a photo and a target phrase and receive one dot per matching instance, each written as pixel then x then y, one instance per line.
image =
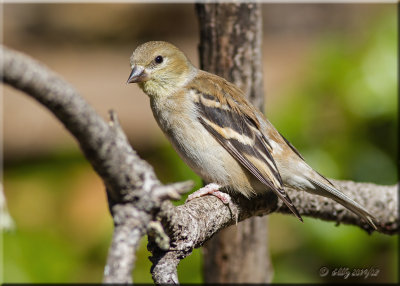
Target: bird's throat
pixel 158 89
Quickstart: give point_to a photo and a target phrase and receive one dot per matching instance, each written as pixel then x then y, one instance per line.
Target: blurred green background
pixel 330 74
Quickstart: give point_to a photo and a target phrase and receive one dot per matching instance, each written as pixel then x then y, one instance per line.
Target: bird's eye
pixel 158 59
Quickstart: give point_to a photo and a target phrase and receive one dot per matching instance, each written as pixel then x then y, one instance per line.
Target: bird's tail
pixel 330 191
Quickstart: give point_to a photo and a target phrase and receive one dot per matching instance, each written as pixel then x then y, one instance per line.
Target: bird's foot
pixel 210 189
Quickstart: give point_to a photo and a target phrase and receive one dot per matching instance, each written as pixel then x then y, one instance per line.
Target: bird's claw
pixel 210 189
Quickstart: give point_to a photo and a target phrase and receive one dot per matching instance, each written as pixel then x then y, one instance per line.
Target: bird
pixel 221 136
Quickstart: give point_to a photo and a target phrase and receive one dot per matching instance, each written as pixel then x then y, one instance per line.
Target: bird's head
pixel 159 68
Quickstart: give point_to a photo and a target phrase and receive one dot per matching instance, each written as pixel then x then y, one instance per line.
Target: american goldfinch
pixel 220 134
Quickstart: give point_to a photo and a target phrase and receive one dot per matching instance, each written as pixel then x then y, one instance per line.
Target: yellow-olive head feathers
pixel 159 68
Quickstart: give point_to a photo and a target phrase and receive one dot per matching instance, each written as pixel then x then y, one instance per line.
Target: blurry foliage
pixel 55 202
pixel 341 115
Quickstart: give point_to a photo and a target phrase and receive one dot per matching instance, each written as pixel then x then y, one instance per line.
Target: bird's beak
pixel 138 74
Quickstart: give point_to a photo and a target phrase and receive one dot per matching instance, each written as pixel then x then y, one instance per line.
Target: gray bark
pixel 191 225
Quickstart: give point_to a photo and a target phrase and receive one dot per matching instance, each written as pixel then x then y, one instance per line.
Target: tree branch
pixel 381 201
pixel 192 224
pixel 193 221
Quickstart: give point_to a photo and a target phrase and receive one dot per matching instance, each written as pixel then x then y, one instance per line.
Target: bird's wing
pixel 233 125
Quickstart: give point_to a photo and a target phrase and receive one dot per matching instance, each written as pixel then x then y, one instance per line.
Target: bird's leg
pixel 210 189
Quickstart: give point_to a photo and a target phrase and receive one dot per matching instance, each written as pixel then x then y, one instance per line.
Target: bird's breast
pixel 198 148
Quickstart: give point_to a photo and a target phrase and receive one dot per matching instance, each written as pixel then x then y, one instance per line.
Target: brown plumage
pixel 222 136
